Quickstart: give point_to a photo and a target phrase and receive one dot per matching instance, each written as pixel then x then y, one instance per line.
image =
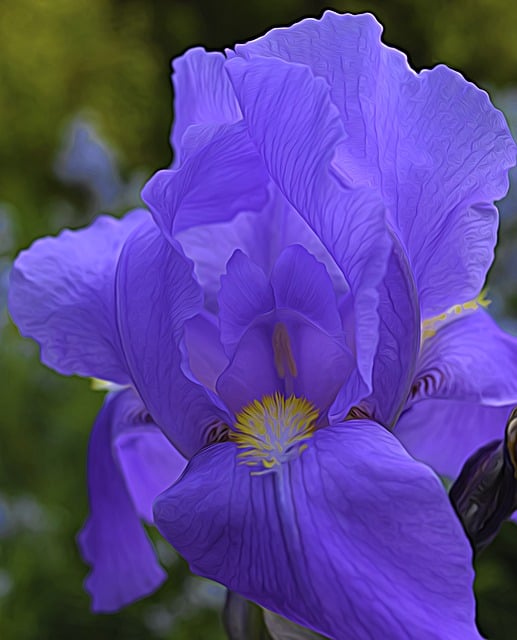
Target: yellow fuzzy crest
pixel 269 431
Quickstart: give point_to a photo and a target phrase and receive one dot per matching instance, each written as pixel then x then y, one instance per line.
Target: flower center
pixel 271 431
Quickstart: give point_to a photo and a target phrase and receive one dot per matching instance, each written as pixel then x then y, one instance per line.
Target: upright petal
pixel 297 146
pixel 205 352
pixel 221 177
pixel 210 247
pixel 203 94
pixel 156 295
pixel 286 353
pixel 251 372
pixel 245 295
pixel 262 236
pixel 352 538
pixel 218 172
pixel 432 143
pixel 302 283
pixel 285 336
pixel 399 340
pixel 62 295
pixel 113 541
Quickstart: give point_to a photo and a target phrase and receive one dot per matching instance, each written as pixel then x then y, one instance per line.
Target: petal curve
pixel 220 178
pixel 156 295
pixel 297 147
pixel 203 94
pixel 431 142
pixel 445 433
pixel 352 538
pixel 399 340
pixel 62 295
pixel 469 359
pixel 113 540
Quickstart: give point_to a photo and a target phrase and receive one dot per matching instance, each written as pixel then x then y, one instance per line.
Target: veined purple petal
pixel 210 247
pixel 303 284
pixel 298 282
pixel 470 359
pixel 285 336
pixel 156 295
pixel 297 147
pixel 220 173
pixel 432 143
pixel 206 356
pixel 262 236
pixel 62 295
pixel 335 539
pixel 203 94
pixel 286 353
pixel 221 177
pixel 245 295
pixel 113 540
pixel 251 372
pixel 463 391
pixel 149 464
pixel 399 340
pixel 445 433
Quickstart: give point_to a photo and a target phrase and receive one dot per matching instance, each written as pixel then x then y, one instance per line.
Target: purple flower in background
pixel 86 160
pixel 305 294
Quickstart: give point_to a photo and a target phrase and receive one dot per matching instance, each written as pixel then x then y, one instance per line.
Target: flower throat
pixel 272 430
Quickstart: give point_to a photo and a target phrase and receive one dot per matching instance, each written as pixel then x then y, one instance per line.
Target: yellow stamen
pixel 270 431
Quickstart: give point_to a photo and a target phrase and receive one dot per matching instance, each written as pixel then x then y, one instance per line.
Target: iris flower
pixel 303 295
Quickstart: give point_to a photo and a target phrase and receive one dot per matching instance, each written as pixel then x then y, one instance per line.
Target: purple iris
pixel 305 295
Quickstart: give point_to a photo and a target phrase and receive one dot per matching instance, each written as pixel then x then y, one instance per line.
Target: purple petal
pixel 443 195
pixel 299 308
pixel 444 433
pixel 471 360
pixel 262 236
pixel 297 146
pixel 463 391
pixel 220 178
pixel 322 363
pixel 206 355
pixel 113 541
pixel 251 372
pixel 203 94
pixel 62 295
pixel 149 464
pixel 303 284
pixel 399 340
pixel 210 247
pixel 352 534
pixel 156 295
pixel 245 295
pixel 432 143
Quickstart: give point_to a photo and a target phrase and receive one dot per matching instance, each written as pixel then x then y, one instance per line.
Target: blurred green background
pixel 89 79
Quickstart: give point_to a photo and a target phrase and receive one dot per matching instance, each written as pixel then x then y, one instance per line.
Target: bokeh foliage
pixel 109 60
